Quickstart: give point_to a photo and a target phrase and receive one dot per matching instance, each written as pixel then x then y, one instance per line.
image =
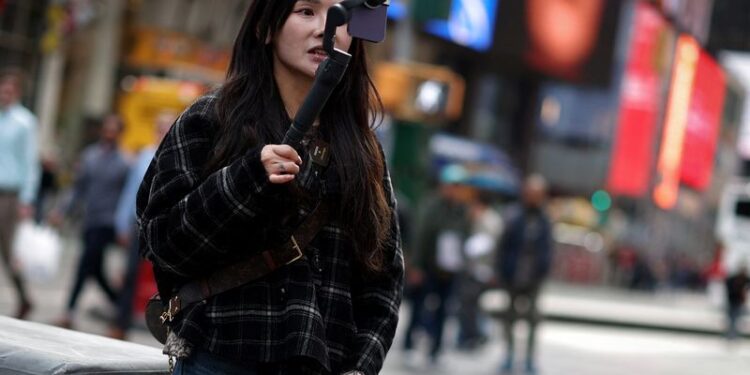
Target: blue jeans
pixel 202 362
pixel 431 321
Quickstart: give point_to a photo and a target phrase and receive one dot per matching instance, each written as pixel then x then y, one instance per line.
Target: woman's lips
pixel 318 54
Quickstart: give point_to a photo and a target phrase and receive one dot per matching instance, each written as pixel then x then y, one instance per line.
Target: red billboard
pixel 703 123
pixel 641 99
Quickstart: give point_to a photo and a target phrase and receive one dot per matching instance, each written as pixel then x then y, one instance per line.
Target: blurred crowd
pixel 474 246
pixel 100 202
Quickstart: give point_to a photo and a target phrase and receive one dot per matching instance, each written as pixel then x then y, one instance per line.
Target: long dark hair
pixel 251 113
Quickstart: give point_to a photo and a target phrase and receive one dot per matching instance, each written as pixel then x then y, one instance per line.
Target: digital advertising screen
pixel 471 23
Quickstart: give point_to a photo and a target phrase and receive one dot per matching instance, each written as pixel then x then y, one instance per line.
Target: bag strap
pixel 250 269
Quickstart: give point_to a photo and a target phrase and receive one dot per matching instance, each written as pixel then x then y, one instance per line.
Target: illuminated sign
pixel 471 24
pixel 670 157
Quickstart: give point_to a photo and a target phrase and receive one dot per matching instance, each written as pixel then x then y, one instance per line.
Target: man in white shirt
pixel 20 173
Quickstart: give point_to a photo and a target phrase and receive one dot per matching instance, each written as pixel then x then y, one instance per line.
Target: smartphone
pixel 369 23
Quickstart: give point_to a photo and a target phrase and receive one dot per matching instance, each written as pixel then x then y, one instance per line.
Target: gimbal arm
pixel 330 72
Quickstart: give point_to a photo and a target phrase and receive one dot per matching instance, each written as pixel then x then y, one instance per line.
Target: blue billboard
pixel 471 24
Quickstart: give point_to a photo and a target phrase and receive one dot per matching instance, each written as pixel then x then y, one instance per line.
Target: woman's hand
pixel 281 163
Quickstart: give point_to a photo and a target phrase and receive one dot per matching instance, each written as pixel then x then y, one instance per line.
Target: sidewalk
pixel 666 311
pixel 673 311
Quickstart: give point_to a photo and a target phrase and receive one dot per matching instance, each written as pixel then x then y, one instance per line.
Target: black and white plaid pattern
pixel 322 307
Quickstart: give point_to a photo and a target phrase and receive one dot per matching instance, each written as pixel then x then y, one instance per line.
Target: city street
pixel 586 163
pixel 564 348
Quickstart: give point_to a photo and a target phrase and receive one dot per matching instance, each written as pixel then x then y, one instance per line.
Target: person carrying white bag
pixel 19 164
pixel 37 250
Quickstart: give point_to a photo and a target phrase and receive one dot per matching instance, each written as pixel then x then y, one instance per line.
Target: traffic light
pixel 420 92
pixel 601 201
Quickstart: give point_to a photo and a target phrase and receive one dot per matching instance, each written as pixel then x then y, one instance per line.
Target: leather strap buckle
pixel 296 248
pixel 175 305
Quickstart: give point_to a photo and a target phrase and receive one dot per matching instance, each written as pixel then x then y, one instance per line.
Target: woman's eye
pixel 305 12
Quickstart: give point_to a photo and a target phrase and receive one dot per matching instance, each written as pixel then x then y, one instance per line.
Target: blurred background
pixel 635 113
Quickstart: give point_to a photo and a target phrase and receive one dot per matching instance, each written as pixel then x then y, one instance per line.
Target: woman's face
pixel 298 46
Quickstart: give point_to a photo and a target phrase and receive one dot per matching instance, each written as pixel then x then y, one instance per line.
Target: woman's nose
pixel 320 25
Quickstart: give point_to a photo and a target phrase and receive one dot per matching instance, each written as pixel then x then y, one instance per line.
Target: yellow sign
pixel 144 99
pixel 161 49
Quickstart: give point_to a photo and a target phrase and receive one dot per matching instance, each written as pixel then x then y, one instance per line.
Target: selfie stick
pixel 329 73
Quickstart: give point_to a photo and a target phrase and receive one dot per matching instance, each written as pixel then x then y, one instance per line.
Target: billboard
pixel 703 123
pixel 569 40
pixel 640 103
pixel 471 23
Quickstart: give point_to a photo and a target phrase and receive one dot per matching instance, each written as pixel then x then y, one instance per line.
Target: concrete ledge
pixel 674 313
pixel 33 348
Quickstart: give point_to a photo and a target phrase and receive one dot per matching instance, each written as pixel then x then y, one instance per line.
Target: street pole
pixel 48 100
pixel 105 56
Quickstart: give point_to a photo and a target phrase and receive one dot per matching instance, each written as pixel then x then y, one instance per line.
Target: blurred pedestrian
pixel 523 263
pixel 479 249
pixel 47 187
pixel 99 180
pixel 19 174
pixel 715 274
pixel 442 228
pixel 737 288
pixel 127 231
pixel 317 269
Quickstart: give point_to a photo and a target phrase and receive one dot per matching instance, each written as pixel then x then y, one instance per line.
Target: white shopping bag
pixel 449 257
pixel 37 250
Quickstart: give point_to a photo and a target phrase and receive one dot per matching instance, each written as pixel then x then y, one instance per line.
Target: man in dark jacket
pixel 437 258
pixel 736 287
pixel 523 262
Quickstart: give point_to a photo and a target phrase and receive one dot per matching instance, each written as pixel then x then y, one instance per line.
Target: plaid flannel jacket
pixel 320 307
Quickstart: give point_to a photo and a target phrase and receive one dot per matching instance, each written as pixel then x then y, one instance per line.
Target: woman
pixel 221 188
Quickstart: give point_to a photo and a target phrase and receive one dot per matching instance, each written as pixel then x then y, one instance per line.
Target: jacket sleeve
pixel 547 247
pixel 376 301
pixel 423 253
pixel 503 261
pixel 189 223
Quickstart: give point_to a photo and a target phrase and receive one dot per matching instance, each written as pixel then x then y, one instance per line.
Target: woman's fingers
pixel 281 163
pixel 286 168
pixel 280 178
pixel 286 152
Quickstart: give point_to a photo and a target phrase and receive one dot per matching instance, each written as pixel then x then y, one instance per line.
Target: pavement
pixel 588 331
pixel 672 311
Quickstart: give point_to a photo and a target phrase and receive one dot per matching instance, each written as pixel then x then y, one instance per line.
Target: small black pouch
pixel 155 309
